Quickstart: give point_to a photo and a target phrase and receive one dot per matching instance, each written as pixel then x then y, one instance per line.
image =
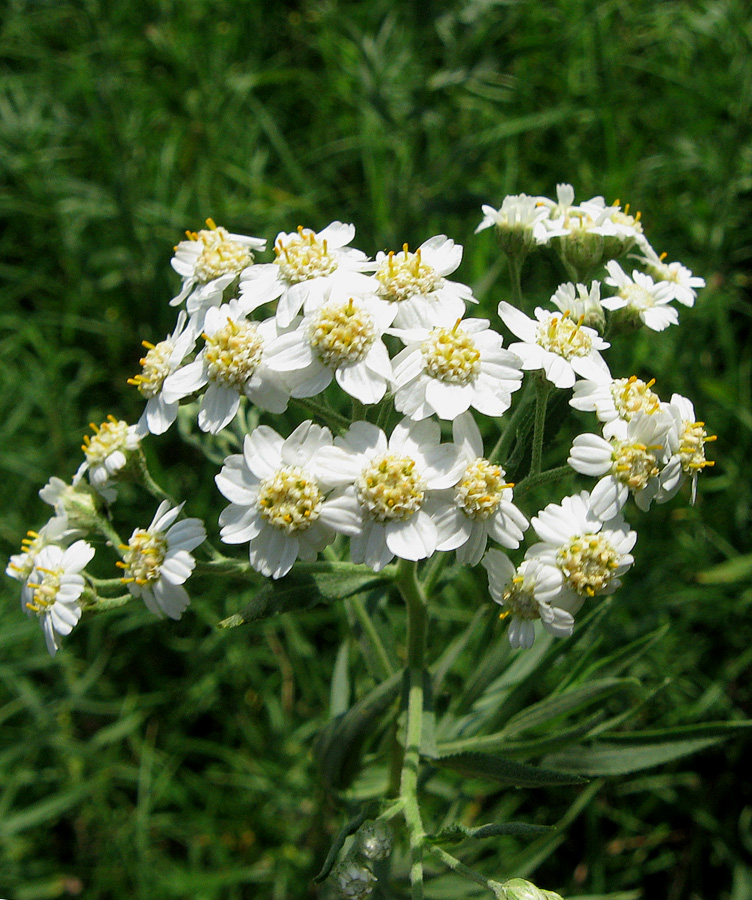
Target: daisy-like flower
pixel 616 400
pixel 518 222
pixel 392 493
pixel 624 230
pixel 682 283
pixel 641 297
pixel 482 506
pixel 448 370
pixel 562 347
pixel 161 360
pixel 527 593
pixel 276 498
pixel 416 283
pixel 309 267
pixel 591 554
pixel 209 261
pixel 53 588
pixel 232 362
pixel 342 340
pixel 686 440
pixel 157 561
pixel 107 453
pixel 54 531
pixel 75 501
pixel 629 463
pixel 581 304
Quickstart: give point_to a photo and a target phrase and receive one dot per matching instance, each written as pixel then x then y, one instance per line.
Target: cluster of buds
pixel 353 877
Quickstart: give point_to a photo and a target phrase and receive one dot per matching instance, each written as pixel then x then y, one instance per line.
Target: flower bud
pixel 520 889
pixel 375 840
pixel 353 880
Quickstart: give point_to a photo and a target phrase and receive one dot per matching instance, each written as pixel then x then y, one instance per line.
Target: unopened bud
pixel 354 881
pixel 375 840
pixel 520 889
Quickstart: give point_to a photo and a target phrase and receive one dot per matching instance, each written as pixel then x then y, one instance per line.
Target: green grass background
pixel 174 761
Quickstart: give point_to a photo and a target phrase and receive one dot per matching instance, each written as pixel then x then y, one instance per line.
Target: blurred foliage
pixel 174 761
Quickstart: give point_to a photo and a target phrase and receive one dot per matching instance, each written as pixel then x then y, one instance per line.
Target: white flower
pixel 641 297
pixel 590 554
pixel 209 261
pixel 157 561
pixel 527 593
pixel 482 502
pixel 583 306
pixel 391 492
pixel 76 501
pixel 54 531
pixel 555 343
pixel 616 400
pixel 309 267
pixel 53 588
pixel 681 282
pixel 232 362
pixel 686 440
pixel 416 283
pixel 161 360
pixel 342 340
pixel 107 453
pixel 517 212
pixel 276 499
pixel 632 462
pixel 447 370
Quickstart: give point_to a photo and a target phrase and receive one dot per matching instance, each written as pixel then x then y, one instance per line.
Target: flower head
pixel 616 400
pixel 686 443
pixel 641 298
pixel 157 560
pixel 53 588
pixel 107 453
pixel 581 304
pixel 54 531
pixel 518 223
pixel 682 284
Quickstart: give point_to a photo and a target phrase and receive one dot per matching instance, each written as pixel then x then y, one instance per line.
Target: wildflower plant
pixel 421 449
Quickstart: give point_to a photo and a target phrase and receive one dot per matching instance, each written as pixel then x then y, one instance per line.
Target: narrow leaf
pixel 504 771
pixel 457 832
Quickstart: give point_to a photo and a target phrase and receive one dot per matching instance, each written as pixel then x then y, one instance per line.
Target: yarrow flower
pixel 157 560
pixel 682 284
pixel 447 370
pixel 591 554
pixel 391 492
pixel 641 298
pixel 581 304
pixel 416 283
pixel 686 442
pixel 341 340
pixel 482 506
pixel 518 223
pixel 560 346
pixel 107 453
pixel 276 498
pixel 616 400
pixel 161 360
pixel 309 267
pixel 54 531
pixel 232 362
pixel 208 262
pixel 53 589
pixel 528 594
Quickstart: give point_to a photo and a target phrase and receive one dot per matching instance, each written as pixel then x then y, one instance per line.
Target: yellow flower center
pixel 519 600
pixel 480 490
pixel 45 591
pixel 290 500
pixel 637 297
pixel 588 561
pixel 219 255
pixel 560 335
pixel 402 275
pixel 233 352
pixel 450 355
pixel 110 436
pixel 342 333
pixel 631 395
pixel 390 488
pixel 155 368
pixel 144 555
pixel 633 464
pixel 692 447
pixel 303 256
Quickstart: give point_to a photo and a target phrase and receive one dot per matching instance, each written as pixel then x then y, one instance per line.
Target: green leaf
pixel 339 694
pixel 339 842
pixel 733 570
pixel 340 743
pixel 307 585
pixel 504 771
pixel 455 833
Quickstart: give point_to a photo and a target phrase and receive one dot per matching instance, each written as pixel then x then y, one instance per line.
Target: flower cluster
pixel 393 333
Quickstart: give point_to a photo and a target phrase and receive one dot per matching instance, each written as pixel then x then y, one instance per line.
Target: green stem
pixel 366 623
pixel 413 595
pixel 515 277
pixel 149 483
pixel 509 433
pixel 542 390
pixel 532 481
pixel 496 888
pixel 319 411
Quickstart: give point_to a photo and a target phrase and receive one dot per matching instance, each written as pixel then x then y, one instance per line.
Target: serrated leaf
pixel 340 743
pixel 504 771
pixel 457 832
pixel 307 585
